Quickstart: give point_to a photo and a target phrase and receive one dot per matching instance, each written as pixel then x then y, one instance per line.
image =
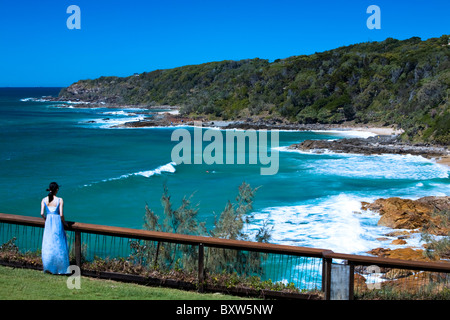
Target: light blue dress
pixel 55 250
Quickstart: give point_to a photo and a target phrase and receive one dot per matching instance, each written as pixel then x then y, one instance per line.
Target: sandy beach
pixel 382 131
pixel 445 160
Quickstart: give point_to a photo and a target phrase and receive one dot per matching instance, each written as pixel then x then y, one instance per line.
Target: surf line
pixel 213 153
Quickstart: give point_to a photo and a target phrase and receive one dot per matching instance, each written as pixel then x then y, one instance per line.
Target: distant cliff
pixel 405 83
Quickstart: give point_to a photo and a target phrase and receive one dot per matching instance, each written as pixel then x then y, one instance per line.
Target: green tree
pixel 437 248
pixel 183 220
pixel 230 225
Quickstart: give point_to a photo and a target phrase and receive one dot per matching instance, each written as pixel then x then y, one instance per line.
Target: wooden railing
pixel 327 256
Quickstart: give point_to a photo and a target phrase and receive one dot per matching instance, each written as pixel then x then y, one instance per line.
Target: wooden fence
pixel 326 256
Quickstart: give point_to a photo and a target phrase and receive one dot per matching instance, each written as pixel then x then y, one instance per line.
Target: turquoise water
pixel 109 174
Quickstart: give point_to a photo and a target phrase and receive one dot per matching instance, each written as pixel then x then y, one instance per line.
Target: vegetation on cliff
pixel 229 225
pixel 404 83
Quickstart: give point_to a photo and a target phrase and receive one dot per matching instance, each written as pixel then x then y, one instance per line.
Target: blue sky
pixel 124 37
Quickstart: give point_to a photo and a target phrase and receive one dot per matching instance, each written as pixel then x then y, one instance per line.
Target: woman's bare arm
pixel 61 211
pixel 42 209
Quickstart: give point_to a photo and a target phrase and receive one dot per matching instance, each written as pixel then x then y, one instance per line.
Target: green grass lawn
pixel 26 284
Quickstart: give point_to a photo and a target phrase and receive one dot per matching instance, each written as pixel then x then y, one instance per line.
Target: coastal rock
pixel 372 145
pixel 400 213
pixel 410 282
pixel 402 253
pixel 360 282
pixel 398 242
pixel 397 273
pixel 401 234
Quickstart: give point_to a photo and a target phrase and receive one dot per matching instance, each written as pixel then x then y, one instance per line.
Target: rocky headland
pixel 398 213
pixel 390 144
pixel 411 216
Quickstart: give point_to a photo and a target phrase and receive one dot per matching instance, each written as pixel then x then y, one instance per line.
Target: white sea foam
pixel 287 149
pixel 114 118
pixel 65 106
pixel 107 123
pixel 348 133
pixel 74 102
pixel 119 113
pixel 34 99
pixel 387 166
pixel 169 167
pixel 173 112
pixel 334 222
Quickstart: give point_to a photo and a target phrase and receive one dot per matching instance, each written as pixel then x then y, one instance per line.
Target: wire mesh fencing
pixel 212 263
pixel 129 255
pixel 222 267
pixel 24 238
pixel 281 271
pixel 373 282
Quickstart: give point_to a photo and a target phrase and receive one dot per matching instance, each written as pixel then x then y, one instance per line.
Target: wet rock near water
pixel 372 145
pixel 398 213
pixel 412 215
pixel 401 253
pixel 275 124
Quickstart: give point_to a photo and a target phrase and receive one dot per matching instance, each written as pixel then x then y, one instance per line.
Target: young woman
pixel 55 250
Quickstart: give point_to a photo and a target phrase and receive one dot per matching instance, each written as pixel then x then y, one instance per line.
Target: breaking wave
pixel 169 167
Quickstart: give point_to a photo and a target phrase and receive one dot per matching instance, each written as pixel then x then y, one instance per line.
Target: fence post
pixel 200 267
pixel 78 248
pixel 351 281
pixel 326 277
pixel 155 264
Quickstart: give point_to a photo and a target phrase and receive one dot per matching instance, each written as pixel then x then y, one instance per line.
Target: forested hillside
pixel 406 83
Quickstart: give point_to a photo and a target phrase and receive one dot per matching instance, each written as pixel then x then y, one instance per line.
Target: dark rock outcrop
pixel 400 213
pixel 371 145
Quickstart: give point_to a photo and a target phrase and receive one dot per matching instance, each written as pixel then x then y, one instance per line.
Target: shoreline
pixel 375 145
pixel 444 160
pixel 173 118
pixel 374 139
pixel 384 140
pixel 406 218
pixel 371 140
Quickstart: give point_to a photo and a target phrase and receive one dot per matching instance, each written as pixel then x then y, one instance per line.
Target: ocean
pixel 108 175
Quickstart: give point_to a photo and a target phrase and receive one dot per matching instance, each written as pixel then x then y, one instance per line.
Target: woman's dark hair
pixel 53 187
